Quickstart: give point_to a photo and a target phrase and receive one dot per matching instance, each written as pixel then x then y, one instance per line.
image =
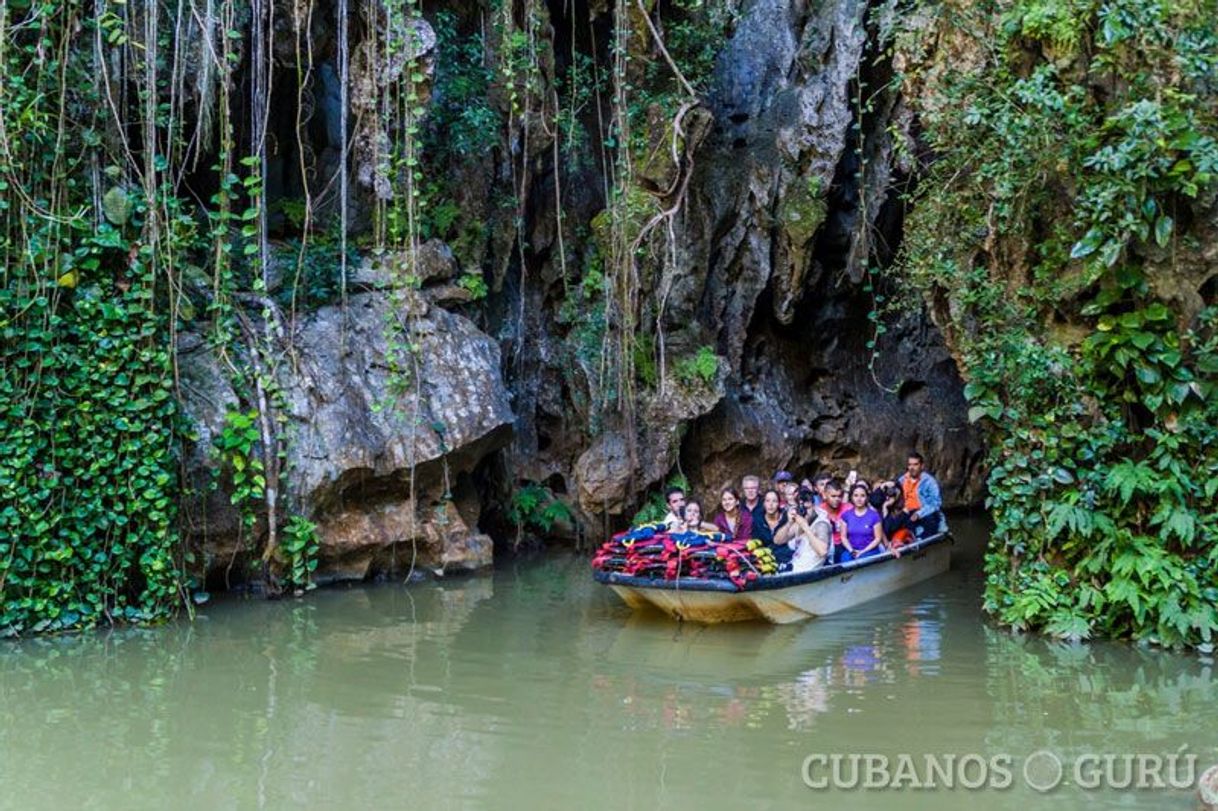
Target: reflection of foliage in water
pixel 1073 696
pixel 43 678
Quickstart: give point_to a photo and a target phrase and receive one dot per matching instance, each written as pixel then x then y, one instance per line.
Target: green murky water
pixel 536 688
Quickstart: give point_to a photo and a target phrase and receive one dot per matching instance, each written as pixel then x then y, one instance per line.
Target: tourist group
pixel 822 520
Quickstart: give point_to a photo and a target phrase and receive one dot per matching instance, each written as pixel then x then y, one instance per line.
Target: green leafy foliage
pixel 311 270
pixel 534 506
pixel 88 417
pixel 701 368
pixel 694 31
pixel 298 548
pixel 475 284
pixel 1069 202
pixel 462 125
pixel 645 366
pixel 87 462
pixel 236 448
pixel 461 121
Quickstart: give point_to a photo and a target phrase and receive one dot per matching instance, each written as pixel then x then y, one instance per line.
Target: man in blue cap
pixel 784 483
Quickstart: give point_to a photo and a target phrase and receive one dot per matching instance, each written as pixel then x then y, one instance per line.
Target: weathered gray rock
pixel 783 109
pixel 783 212
pixel 370 460
pixel 611 472
pixel 434 262
pixel 404 43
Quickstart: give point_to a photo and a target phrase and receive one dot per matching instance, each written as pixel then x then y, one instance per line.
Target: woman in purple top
pixel 864 526
pixel 734 522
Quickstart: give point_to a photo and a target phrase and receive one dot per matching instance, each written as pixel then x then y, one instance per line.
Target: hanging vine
pixel 87 293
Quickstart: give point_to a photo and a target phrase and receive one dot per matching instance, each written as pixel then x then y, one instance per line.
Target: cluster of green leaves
pixel 311 270
pixel 461 122
pixel 475 284
pixel 88 420
pixel 578 88
pixel 87 461
pixel 534 506
pixel 700 368
pixel 517 58
pixel 298 548
pixel 646 367
pixel 462 125
pixel 1073 160
pixel 236 450
pixel 694 32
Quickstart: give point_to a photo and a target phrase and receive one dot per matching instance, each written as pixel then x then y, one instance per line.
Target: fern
pixel 1065 624
pixel 1128 477
pixel 535 506
pixel 701 368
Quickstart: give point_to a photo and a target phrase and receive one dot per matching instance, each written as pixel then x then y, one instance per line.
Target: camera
pixel 882 494
pixel 805 500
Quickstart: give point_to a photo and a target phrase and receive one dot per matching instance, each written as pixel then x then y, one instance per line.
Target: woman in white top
pixel 809 542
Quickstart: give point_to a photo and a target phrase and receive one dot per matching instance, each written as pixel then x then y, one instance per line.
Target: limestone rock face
pixel 787 206
pixel 790 205
pixel 352 438
pixel 812 399
pixel 783 109
pixel 782 222
pixel 434 263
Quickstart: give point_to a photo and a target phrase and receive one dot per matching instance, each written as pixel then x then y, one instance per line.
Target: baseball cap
pixel 783 476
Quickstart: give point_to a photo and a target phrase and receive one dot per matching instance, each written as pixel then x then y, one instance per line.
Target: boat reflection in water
pixel 737 673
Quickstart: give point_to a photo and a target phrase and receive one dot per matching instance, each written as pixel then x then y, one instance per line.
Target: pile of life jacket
pixel 652 551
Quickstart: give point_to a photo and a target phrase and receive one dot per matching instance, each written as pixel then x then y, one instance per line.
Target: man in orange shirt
pixel 923 501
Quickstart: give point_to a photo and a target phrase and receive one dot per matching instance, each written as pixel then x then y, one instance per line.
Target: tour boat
pixel 785 598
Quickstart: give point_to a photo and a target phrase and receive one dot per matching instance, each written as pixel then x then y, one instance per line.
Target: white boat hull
pixel 848 588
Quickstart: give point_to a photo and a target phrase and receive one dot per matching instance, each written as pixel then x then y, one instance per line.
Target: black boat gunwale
pixel 771 582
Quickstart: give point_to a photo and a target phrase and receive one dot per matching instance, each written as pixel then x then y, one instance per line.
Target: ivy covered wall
pixel 1064 235
pixel 87 407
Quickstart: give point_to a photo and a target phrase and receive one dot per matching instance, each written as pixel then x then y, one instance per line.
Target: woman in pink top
pixel 731 520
